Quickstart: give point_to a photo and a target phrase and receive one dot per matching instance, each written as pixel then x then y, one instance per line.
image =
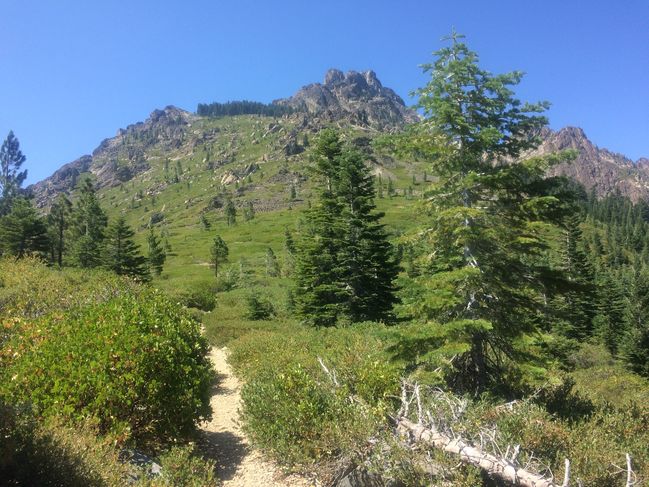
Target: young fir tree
pixel 272 266
pixel 11 178
pixel 22 231
pixel 249 211
pixel 344 264
pixel 87 229
pixel 230 212
pixel 157 255
pixel 205 223
pixel 218 254
pixel 368 258
pixel 634 345
pixel 289 251
pixel 484 281
pixel 58 221
pixel 120 253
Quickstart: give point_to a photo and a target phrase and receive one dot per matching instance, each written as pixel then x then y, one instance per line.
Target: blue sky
pixel 73 72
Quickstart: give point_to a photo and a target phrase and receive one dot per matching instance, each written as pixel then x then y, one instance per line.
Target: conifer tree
pixel 366 255
pixel 289 250
pixel 120 253
pixel 58 220
pixel 249 211
pixel 22 230
pixel 88 226
pixel 484 282
pixel 157 255
pixel 345 266
pixel 11 178
pixel 205 222
pixel 272 267
pixel 581 296
pixel 230 212
pixel 218 253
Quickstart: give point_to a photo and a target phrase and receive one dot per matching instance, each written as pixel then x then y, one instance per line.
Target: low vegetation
pixel 489 305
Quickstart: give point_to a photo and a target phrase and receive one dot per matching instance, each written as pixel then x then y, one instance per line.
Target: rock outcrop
pixel 119 159
pixel 358 98
pixel 597 169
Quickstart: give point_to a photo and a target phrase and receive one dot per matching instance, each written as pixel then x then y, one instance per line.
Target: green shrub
pixel 182 467
pixel 292 408
pixel 134 362
pixel 54 454
pixel 31 289
pixel 201 297
pixel 297 418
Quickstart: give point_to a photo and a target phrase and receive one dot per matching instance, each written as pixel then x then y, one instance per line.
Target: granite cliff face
pixel 597 169
pixel 120 158
pixel 357 98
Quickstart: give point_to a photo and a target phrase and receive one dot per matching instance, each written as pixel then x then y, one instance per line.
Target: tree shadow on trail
pixel 226 449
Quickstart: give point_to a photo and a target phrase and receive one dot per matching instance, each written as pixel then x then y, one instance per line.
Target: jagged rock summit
pixel 358 98
pixel 597 169
pixel 120 158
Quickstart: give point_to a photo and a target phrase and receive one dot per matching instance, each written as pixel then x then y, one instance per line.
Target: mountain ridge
pixel 353 99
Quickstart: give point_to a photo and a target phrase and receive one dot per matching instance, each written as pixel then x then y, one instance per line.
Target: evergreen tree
pixel 272 267
pixel 485 282
pixel 581 297
pixel 345 266
pixel 121 255
pixel 22 231
pixel 249 211
pixel 218 254
pixel 205 222
pixel 88 226
pixel 58 221
pixel 11 178
pixel 289 250
pixel 230 212
pixel 157 255
pixel 390 188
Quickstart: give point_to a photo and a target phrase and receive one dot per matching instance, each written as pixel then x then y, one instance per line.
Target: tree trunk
pixel 500 468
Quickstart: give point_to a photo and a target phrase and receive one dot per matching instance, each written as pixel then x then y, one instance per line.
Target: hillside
pixel 228 150
pixel 513 313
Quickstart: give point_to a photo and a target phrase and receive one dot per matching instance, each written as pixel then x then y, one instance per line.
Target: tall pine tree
pixel 11 178
pixel 345 265
pixel 157 254
pixel 484 282
pixel 58 221
pixel 88 226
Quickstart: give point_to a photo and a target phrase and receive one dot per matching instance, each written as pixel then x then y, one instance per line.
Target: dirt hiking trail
pixel 238 465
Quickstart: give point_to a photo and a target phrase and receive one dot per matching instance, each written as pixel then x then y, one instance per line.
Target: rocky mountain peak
pixel 355 97
pixel 120 158
pixel 596 169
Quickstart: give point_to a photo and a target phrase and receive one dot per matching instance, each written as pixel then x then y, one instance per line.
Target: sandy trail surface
pixel 238 465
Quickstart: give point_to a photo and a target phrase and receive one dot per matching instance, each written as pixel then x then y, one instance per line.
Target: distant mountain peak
pixel 597 169
pixel 355 97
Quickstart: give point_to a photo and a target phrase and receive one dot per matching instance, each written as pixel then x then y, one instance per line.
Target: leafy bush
pixel 53 454
pixel 30 289
pixel 201 297
pixel 134 362
pixel 182 467
pixel 292 408
pixel 299 418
